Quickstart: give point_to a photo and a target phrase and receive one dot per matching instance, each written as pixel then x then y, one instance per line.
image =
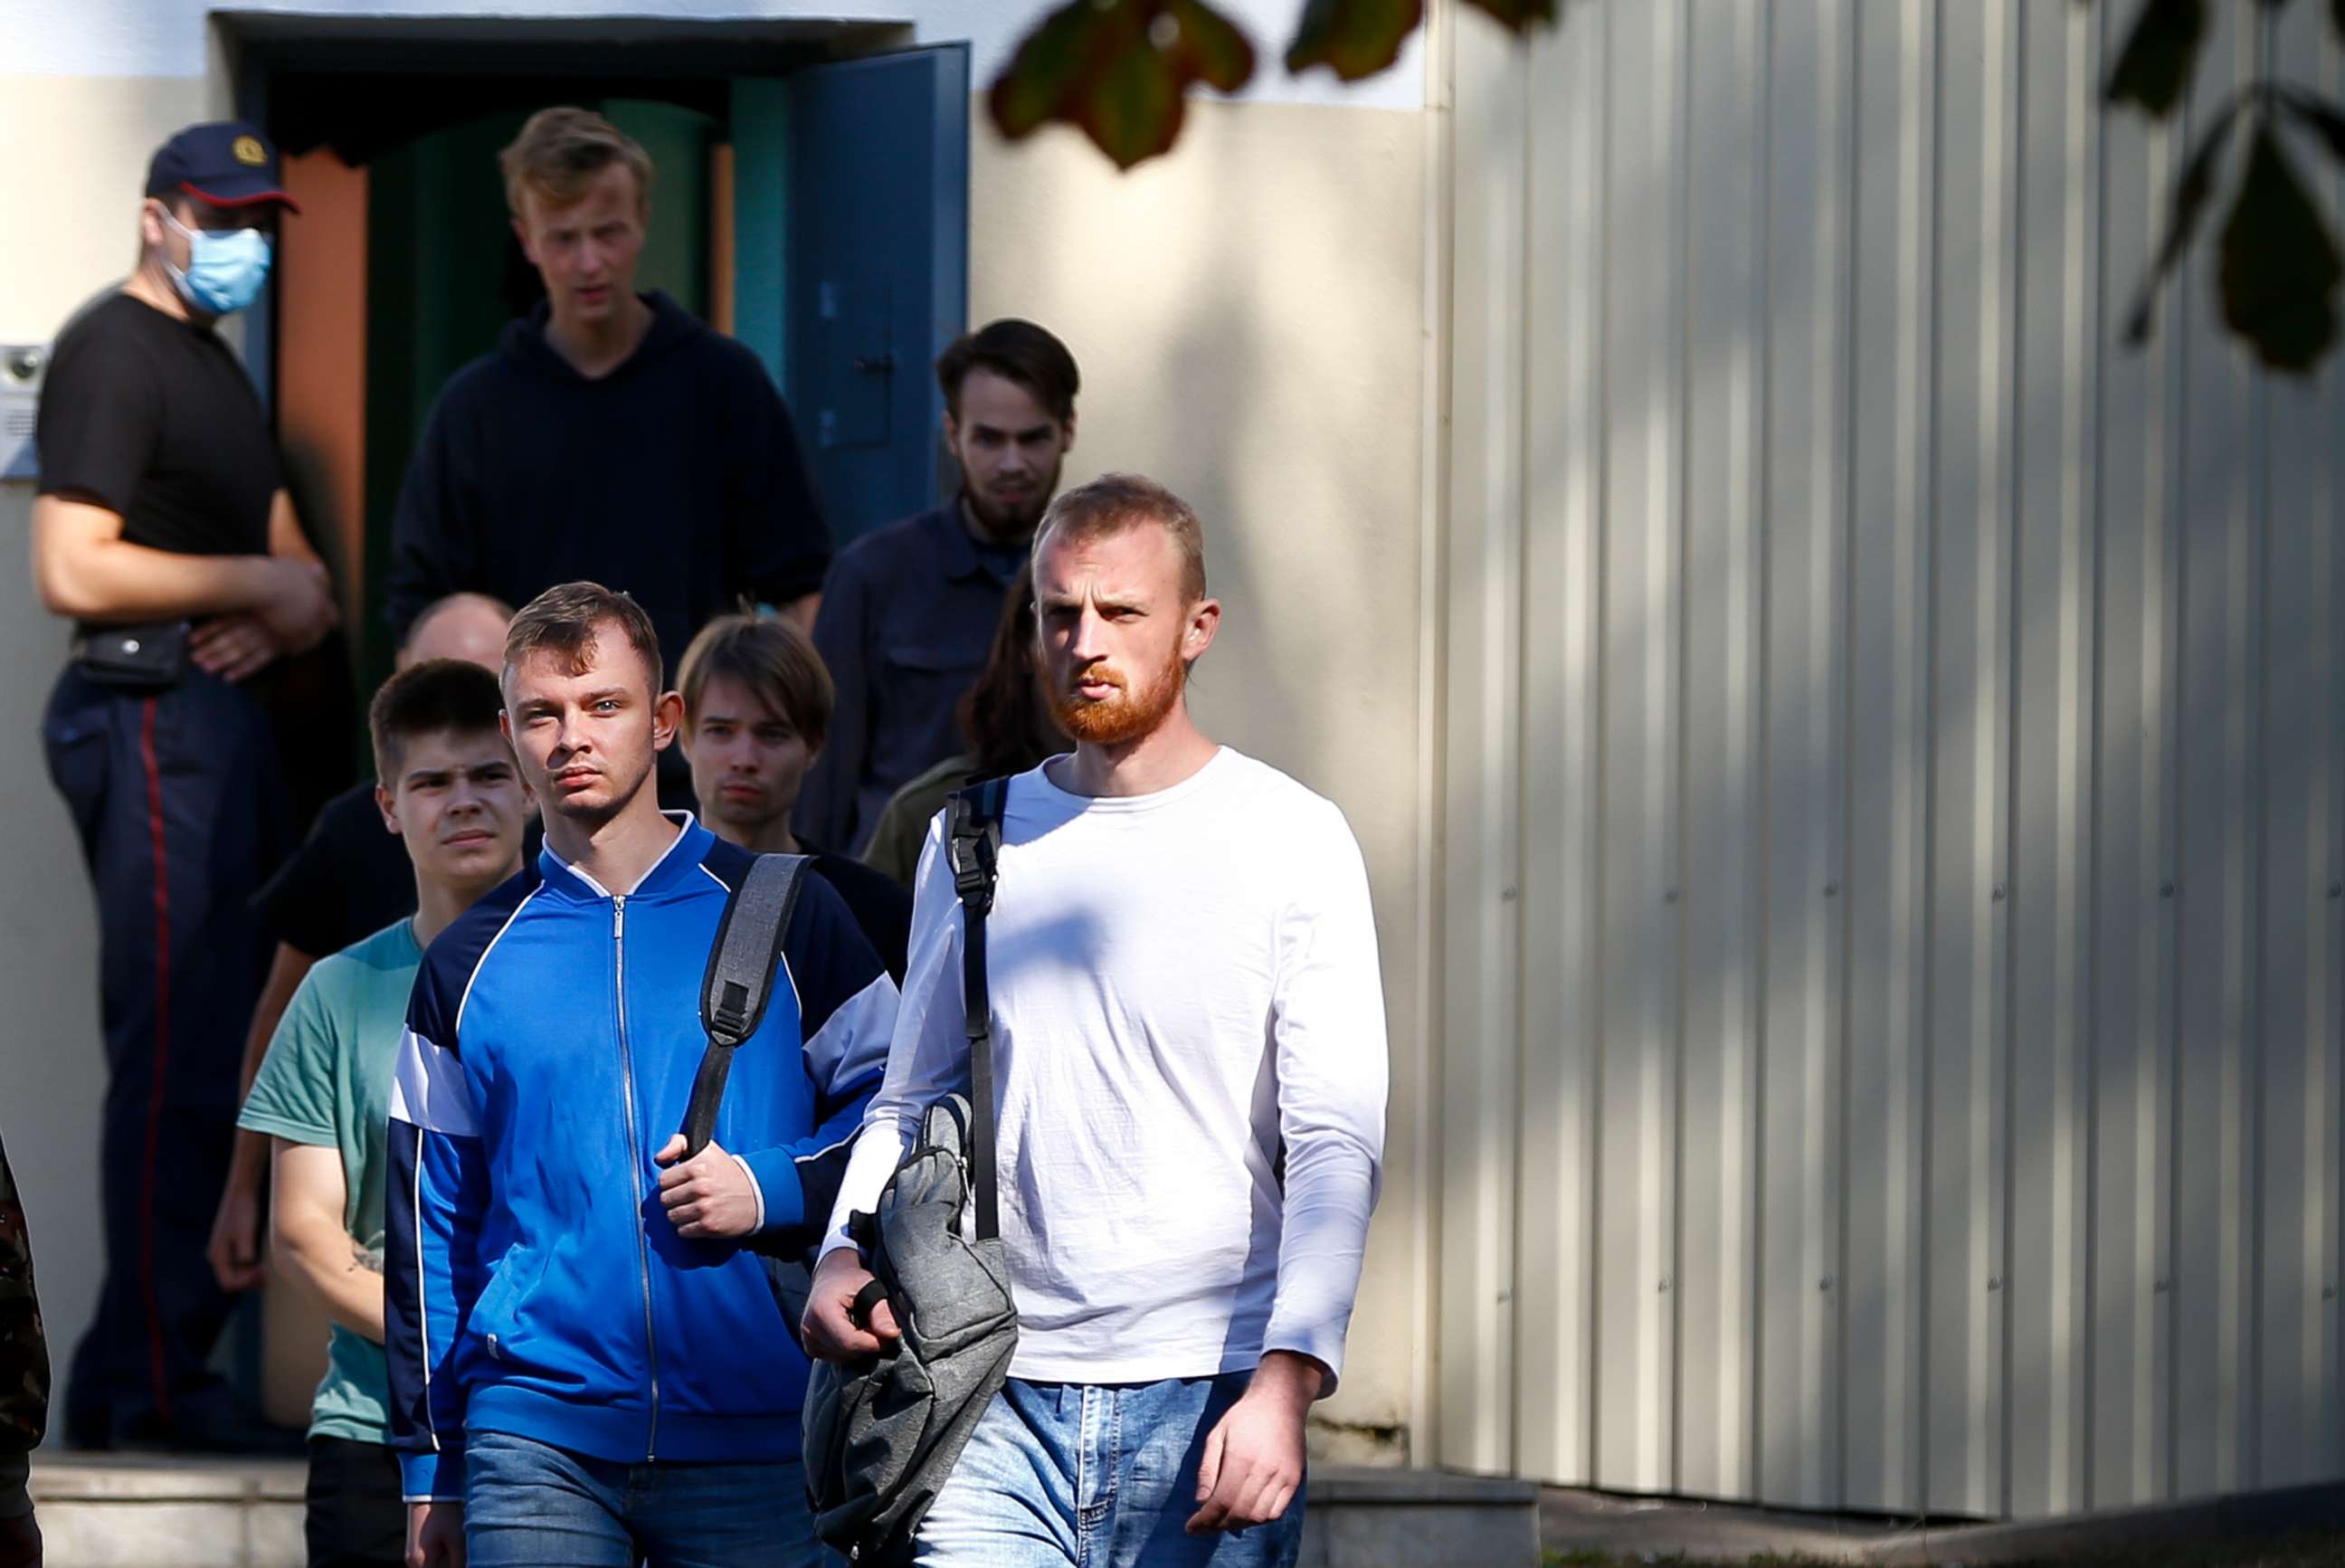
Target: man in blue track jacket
pixel 587 1366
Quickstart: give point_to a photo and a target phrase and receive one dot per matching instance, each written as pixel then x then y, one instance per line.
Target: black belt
pixel 148 654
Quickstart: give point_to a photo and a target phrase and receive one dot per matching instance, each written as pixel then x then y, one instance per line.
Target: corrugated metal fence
pixel 1894 807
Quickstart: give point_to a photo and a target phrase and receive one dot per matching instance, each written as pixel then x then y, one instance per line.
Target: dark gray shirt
pixel 907 614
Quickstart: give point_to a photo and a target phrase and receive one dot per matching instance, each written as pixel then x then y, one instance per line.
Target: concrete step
pixel 1362 1517
pixel 140 1511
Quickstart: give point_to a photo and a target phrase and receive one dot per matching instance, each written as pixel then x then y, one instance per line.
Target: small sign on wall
pixel 21 365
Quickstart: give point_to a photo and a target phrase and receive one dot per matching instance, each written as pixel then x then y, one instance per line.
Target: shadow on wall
pixel 1951 1106
pixel 1247 314
pixel 52 1060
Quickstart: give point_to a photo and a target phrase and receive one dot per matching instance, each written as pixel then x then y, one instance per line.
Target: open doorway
pixel 811 200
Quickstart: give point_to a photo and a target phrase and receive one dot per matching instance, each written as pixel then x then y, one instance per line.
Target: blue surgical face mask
pixel 226 270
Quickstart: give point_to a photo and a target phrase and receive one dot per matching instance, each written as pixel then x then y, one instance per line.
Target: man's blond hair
pixel 560 151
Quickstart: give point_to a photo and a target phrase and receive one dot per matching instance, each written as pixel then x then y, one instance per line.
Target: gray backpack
pixel 882 1436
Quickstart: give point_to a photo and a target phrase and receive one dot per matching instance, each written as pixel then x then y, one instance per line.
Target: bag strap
pixel 740 980
pixel 974 845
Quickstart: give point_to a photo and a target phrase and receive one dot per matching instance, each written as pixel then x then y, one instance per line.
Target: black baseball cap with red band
pixel 224 163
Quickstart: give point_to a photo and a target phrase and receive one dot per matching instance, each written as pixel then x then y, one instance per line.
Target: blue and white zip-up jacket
pixel 534 1283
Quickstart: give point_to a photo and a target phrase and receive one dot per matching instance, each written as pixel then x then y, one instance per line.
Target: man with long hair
pixel 1007 725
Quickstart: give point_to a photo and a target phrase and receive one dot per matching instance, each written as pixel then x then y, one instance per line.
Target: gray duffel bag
pixel 882 1435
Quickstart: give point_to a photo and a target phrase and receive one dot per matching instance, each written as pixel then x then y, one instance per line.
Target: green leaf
pixel 1133 110
pixel 1519 16
pixel 2280 268
pixel 2154 68
pixel 1355 38
pixel 1045 68
pixel 1211 50
pixel 2197 183
pixel 1120 70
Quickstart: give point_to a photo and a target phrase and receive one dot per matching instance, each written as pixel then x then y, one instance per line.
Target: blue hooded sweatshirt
pixel 534 1283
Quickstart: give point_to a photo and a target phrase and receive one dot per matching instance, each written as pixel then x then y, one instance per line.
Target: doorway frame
pixel 264 48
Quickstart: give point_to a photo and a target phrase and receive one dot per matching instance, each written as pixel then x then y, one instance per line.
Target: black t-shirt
pixel 876 900
pixel 154 420
pixel 677 478
pixel 348 880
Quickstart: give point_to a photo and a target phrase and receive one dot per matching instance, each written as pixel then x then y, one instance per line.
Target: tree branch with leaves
pixel 2277 265
pixel 1121 71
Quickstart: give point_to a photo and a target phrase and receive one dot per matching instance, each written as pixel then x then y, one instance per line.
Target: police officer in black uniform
pixel 164 532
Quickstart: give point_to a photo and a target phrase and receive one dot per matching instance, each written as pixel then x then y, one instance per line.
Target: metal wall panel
pixel 1717 1204
pixel 2294 1329
pixel 2215 449
pixel 2132 942
pixel 1563 441
pixel 2054 329
pixel 1894 816
pixel 1892 229
pixel 1796 577
pixel 1636 775
pixel 1968 546
pixel 1482 700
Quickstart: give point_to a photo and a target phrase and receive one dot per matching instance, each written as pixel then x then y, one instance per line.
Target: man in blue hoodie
pixel 587 1362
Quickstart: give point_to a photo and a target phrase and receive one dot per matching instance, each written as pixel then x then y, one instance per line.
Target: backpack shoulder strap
pixel 973 840
pixel 973 843
pixel 740 980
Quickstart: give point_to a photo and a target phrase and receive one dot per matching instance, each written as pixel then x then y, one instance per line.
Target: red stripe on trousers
pixel 162 1062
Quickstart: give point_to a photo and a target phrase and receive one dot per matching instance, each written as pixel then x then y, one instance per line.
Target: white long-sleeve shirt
pixel 1190 1071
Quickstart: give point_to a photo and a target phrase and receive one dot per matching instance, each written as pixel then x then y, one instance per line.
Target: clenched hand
pixel 709 1196
pixel 829 1328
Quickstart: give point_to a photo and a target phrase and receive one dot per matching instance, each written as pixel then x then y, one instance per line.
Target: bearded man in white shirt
pixel 1190 1073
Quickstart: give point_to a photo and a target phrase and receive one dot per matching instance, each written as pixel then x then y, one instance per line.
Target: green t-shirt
pixel 326 1081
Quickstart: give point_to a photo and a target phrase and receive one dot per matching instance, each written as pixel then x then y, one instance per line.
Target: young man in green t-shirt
pixel 448 787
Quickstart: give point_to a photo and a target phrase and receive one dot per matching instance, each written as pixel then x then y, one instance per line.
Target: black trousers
pixel 355 1519
pixel 181 812
pixel 20 1537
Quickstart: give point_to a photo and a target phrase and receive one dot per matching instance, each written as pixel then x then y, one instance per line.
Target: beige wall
pixel 1248 314
pixel 73 216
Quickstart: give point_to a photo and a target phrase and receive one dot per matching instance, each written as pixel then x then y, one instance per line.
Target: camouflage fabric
pixel 24 1352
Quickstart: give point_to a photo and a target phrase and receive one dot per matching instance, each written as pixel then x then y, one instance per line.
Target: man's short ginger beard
pixel 1122 719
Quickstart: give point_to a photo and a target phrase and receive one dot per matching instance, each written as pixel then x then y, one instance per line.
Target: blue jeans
pixel 528 1504
pixel 1097 1476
